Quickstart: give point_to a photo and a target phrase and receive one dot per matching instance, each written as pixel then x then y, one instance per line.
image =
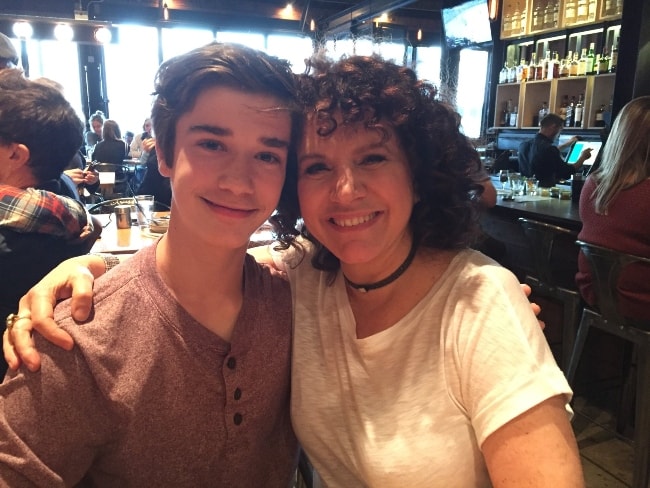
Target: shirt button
pixel 231 363
pixel 237 394
pixel 238 418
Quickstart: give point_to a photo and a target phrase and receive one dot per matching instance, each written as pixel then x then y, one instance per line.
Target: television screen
pixel 467 24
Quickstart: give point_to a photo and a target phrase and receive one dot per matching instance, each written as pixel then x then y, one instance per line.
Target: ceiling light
pixel 23 30
pixel 103 35
pixel 63 32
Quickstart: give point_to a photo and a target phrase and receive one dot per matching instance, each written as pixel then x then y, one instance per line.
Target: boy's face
pixel 229 165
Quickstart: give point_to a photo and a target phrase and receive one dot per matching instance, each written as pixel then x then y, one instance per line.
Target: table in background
pixel 123 241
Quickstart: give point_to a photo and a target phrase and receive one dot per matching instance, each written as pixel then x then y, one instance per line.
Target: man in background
pixel 8 53
pixel 538 156
pixel 38 229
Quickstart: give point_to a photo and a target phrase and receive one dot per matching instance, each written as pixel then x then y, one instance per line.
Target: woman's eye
pixel 315 168
pixel 373 159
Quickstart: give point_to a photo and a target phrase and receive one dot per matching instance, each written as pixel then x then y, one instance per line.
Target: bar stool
pixel 606 266
pixel 541 237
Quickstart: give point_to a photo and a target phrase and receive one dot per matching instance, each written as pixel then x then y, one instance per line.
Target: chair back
pixel 606 266
pixel 541 237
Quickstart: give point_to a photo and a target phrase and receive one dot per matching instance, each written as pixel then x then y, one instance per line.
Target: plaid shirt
pixel 42 212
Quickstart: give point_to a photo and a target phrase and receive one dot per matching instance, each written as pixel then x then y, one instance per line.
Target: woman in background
pixel 615 207
pixel 136 145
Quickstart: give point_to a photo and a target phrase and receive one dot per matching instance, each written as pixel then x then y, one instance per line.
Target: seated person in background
pixel 38 229
pixel 82 177
pixel 8 53
pixel 128 139
pixel 137 147
pixel 615 206
pixel 111 149
pixel 156 184
pixel 540 158
pixel 94 135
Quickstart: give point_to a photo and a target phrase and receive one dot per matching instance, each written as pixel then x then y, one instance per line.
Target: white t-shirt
pixel 411 405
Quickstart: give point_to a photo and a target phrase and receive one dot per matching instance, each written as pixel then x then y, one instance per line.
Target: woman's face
pixel 356 194
pixel 97 127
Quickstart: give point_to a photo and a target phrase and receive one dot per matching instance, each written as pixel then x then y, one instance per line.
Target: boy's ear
pixel 18 154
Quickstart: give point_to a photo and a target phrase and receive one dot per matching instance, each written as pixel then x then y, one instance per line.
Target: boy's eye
pixel 269 158
pixel 211 145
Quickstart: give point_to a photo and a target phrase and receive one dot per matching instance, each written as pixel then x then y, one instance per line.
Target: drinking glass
pixel 517 184
pixel 503 178
pixel 144 209
pixel 531 186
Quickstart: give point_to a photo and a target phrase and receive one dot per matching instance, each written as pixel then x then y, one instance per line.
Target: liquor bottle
pixel 515 27
pixel 618 7
pixel 603 62
pixel 523 20
pixel 506 28
pixel 505 116
pixel 539 70
pixel 556 13
pixel 548 15
pixel 524 69
pixel 581 15
pixel 600 116
pixel 577 114
pixel 565 65
pixel 513 117
pixel 573 67
pixel 512 74
pixel 568 120
pixel 538 16
pixel 591 60
pixel 613 59
pixel 543 112
pixel 503 74
pixel 555 64
pixel 570 12
pixel 609 7
pixel 563 106
pixel 591 10
pixel 532 67
pixel 520 72
pixel 582 63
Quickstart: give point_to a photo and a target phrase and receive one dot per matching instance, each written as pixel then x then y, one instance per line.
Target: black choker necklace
pixel 365 287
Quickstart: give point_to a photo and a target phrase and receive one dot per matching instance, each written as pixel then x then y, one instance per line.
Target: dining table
pixel 124 241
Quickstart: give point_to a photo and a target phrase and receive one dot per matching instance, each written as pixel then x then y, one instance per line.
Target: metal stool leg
pixel 641 478
pixel 578 346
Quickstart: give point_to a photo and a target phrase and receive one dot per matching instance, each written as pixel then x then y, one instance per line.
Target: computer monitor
pixel 578 147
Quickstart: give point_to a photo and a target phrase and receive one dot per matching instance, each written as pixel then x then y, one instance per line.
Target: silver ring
pixel 12 318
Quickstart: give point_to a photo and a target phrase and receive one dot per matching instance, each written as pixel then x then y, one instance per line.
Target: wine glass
pixel 503 178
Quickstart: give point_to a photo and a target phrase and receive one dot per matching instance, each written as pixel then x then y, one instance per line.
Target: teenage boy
pixel 181 378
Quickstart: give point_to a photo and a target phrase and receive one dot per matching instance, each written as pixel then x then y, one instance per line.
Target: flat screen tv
pixel 467 24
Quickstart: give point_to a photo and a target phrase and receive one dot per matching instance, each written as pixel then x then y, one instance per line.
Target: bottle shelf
pixel 535 17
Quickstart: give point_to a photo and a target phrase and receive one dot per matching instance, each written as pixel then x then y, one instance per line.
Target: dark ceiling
pixel 330 17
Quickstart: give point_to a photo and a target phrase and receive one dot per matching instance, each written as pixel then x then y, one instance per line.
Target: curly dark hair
pixel 382 96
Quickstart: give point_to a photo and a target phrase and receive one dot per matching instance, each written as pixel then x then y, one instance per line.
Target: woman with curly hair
pixel 416 360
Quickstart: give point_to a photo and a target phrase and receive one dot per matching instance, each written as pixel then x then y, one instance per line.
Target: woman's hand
pixel 72 278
